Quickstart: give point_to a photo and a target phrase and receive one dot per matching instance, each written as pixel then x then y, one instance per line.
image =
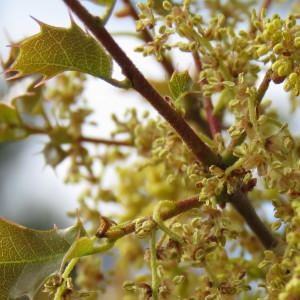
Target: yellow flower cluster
pixel 279 41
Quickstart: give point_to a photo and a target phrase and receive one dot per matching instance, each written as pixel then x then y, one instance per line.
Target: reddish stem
pixel 213 120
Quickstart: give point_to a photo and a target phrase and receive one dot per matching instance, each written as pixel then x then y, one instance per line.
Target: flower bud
pixel 262 50
pixel 276 225
pixel 129 286
pixel 297 42
pixel 278 49
pixel 167 5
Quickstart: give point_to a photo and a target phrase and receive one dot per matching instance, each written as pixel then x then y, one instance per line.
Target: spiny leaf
pixel 55 50
pixel 179 83
pixel 28 257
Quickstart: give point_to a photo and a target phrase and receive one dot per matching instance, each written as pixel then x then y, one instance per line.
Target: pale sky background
pixel 27 169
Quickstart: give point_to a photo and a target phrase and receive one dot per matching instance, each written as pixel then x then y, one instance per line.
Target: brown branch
pixel 264 86
pixel 242 204
pixel 181 207
pixel 35 130
pixel 202 152
pixel 213 120
pixel 105 141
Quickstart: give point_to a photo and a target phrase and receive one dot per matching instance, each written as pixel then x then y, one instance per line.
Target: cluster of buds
pixel 292 83
pixel 281 41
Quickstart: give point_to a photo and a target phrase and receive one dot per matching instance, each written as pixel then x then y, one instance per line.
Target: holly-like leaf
pixel 28 257
pixel 179 83
pixel 55 50
pixel 11 126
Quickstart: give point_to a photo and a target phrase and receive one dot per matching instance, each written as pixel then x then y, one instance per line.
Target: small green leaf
pixel 11 126
pixel 28 257
pixel 179 83
pixel 55 50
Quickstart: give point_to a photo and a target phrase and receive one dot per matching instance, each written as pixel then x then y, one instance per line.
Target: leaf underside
pixel 54 50
pixel 28 257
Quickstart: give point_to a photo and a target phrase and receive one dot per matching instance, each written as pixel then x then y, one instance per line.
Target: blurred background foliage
pixel 29 190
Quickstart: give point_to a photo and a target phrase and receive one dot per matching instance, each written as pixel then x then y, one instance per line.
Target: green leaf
pixel 55 50
pixel 179 83
pixel 11 126
pixel 28 257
